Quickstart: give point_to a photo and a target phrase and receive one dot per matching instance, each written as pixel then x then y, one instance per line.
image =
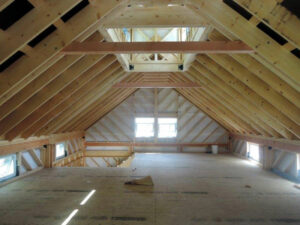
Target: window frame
pixel 249 144
pixel 136 125
pixel 298 164
pixel 158 127
pixel 14 174
pixel 65 151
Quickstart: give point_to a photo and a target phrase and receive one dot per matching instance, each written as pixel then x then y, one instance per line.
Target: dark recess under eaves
pixel 42 36
pixel 74 10
pixel 239 9
pixel 11 60
pixel 293 6
pixel 275 36
pixel 296 52
pixel 12 13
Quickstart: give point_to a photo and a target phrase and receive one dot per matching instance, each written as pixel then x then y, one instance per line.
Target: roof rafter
pixel 275 16
pixel 222 15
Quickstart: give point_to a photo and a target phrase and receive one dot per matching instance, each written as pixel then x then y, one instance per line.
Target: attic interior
pixel 194 103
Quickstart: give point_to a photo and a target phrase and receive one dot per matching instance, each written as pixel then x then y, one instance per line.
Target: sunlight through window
pixel 87 197
pixel 144 127
pixel 7 167
pixel 70 217
pixel 298 162
pixel 167 127
pixel 253 151
pixel 60 150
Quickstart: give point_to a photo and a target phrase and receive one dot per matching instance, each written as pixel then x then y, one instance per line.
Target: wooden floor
pixel 189 189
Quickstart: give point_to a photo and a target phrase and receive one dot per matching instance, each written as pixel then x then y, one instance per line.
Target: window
pixel 144 127
pixel 7 167
pixel 253 151
pixel 298 162
pixel 60 150
pixel 167 127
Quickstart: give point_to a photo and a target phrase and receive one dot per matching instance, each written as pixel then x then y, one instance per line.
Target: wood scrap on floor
pixel 141 181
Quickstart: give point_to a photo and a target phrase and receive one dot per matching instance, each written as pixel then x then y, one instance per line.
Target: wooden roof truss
pixel 43 91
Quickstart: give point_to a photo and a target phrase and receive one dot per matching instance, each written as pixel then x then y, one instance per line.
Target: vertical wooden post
pixel 230 142
pixel 83 149
pixel 19 162
pixel 268 157
pixel 130 149
pixel 49 155
pixel 155 114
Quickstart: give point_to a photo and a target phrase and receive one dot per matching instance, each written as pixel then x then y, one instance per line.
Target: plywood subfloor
pixel 189 189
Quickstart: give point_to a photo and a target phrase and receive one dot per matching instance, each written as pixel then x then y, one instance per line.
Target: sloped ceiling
pixel 44 92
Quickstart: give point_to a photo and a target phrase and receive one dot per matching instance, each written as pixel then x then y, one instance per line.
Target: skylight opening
pixel 156 62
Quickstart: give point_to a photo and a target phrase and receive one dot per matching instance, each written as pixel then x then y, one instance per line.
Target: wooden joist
pixel 35 22
pixel 69 159
pixel 53 106
pixel 148 144
pixel 255 115
pixel 276 17
pixel 260 87
pixel 217 47
pixel 288 145
pixel 226 18
pixel 103 106
pixel 73 29
pixel 83 102
pixel 221 120
pixel 25 163
pixel 156 85
pixel 287 126
pixel 37 160
pixel 96 153
pixel 10 147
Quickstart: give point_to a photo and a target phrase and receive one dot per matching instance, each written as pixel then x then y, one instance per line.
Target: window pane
pixel 144 120
pixel 253 150
pixel 144 127
pixel 144 130
pixel 167 127
pixel 7 167
pixel 60 150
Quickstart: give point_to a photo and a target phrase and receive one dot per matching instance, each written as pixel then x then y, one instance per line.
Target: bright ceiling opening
pixel 156 62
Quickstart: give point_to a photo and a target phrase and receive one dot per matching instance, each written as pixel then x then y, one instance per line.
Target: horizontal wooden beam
pixel 204 47
pixel 148 144
pixel 288 145
pixel 97 153
pixel 68 159
pixel 10 147
pixel 155 85
pixel 55 138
